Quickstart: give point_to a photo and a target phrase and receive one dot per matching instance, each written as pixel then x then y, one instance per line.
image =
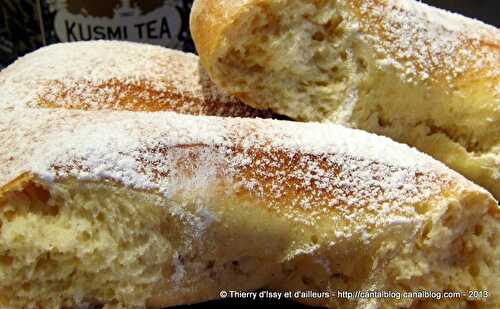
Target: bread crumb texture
pixel 136 209
pixel 103 244
pixel 420 75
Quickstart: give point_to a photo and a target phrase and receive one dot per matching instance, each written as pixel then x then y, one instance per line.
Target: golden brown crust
pixel 117 76
pixel 234 204
pixel 16 184
pixel 221 14
pixel 124 96
pixel 135 209
pixel 421 76
pixel 478 40
pixel 212 21
pixel 311 165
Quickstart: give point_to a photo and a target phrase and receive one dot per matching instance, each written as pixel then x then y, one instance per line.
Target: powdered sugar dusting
pixel 425 42
pixel 116 76
pixel 310 166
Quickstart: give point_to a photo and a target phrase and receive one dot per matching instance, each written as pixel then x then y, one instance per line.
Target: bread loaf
pixel 133 209
pixel 399 68
pixel 108 200
pixel 109 75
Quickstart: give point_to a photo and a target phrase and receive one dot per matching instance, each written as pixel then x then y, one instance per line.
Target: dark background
pixel 485 10
pixel 21 15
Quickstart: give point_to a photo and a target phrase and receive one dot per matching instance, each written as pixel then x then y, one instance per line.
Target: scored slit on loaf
pixel 399 68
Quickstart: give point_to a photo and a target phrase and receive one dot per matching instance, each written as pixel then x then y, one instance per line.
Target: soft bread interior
pixel 310 60
pixel 60 247
pixel 88 243
pixel 78 243
pixel 295 56
pixel 455 248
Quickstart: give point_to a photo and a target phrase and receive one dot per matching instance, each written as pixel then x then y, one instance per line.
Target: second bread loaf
pixel 112 75
pixel 399 68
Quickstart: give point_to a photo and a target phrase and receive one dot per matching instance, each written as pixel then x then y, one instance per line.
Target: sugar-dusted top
pixel 304 165
pixel 116 75
pixel 427 42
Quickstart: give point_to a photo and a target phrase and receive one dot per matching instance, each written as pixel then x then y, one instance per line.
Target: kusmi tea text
pixel 153 29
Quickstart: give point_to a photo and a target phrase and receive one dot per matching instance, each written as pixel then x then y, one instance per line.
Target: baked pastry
pixel 102 203
pixel 132 209
pixel 115 75
pixel 400 68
